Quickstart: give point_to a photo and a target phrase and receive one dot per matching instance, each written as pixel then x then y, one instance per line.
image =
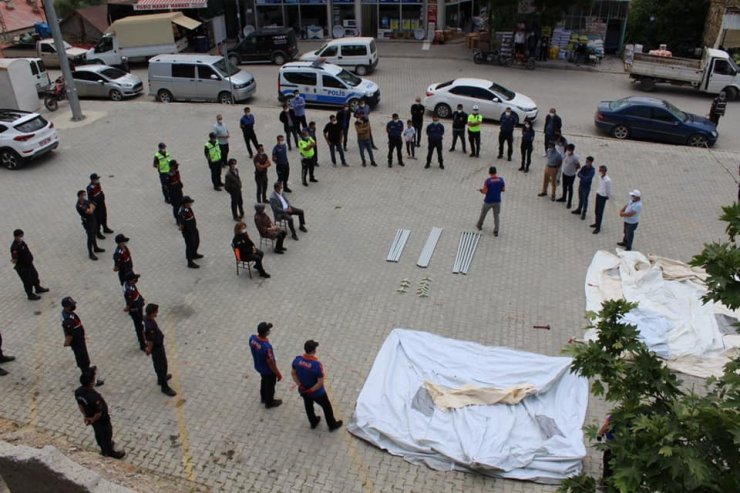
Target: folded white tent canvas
pixel 538 439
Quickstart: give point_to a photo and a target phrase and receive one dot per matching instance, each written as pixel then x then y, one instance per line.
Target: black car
pixel 277 45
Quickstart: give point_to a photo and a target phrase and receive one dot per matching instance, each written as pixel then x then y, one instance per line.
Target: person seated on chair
pixel 267 229
pixel 282 209
pixel 248 252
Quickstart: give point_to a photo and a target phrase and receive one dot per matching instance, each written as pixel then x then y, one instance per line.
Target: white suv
pixel 23 136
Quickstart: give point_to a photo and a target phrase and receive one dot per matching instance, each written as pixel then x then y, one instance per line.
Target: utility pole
pixel 53 21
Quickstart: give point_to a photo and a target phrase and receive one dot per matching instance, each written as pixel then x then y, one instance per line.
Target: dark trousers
pixel 607 468
pixel 432 145
pixel 507 137
pixel 267 388
pixel 418 126
pixel 255 257
pixel 294 211
pixel 237 203
pixel 104 435
pixel 137 316
pixel 599 209
pixel 474 138
pixel 308 165
pixel 395 143
pixel 548 139
pixel 176 202
pixel 714 118
pixel 322 401
pixel 300 122
pixel 526 149
pixel 101 216
pixel 192 242
pixel 159 360
pixel 81 357
pixel 164 179
pixel 345 131
pixel 583 194
pixel 250 138
pixel 224 153
pixel 261 180
pixel 216 174
pixel 288 132
pixel 279 239
pixel 568 189
pixel 410 148
pixel 283 172
pixel 91 229
pixel 366 145
pixel 629 235
pixel 458 134
pixel 29 277
pixel 334 148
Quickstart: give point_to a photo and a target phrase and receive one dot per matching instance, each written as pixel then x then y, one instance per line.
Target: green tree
pixel 65 7
pixel 677 23
pixel 666 439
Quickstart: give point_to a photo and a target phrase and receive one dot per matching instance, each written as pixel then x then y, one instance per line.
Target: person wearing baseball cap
pixel 22 260
pixel 631 214
pixel 308 374
pixel 135 306
pixel 214 159
pixel 122 262
pixel 96 196
pixel 86 210
pixel 189 228
pixel 474 121
pixel 264 363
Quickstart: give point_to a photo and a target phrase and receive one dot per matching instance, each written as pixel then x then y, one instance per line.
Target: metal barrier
pixel 426 253
pixel 399 243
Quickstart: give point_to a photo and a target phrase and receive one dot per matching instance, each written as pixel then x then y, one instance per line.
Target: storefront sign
pixel 169 4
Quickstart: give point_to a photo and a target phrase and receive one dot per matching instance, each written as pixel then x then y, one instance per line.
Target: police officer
pixel 507 122
pixel 155 348
pixel 264 363
pixel 4 358
pixel 21 256
pixel 308 374
pixel 122 262
pixel 307 148
pixel 474 121
pixel 135 306
pixel 174 187
pixel 74 335
pixel 214 159
pixel 86 210
pixel 459 121
pixel 417 119
pixel 189 229
pixel 96 196
pixel 280 158
pixel 394 129
pixel 94 409
pixel 435 133
pixel 162 161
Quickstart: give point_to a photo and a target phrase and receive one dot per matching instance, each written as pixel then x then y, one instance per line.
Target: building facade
pixel 722 26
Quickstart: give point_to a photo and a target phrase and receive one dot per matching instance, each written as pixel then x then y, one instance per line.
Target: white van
pixel 198 78
pixel 359 55
pixel 325 84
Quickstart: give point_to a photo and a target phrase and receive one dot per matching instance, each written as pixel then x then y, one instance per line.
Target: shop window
pixel 354 50
pixel 183 70
pixel 329 81
pixel 301 78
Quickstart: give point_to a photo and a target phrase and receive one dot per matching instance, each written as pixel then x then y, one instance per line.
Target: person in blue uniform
pixel 189 228
pixel 174 188
pixel 264 363
pixel 96 196
pixel 308 374
pixel 22 260
pixel 122 262
pixel 435 134
pixel 86 210
pixel 155 348
pixel 507 123
pixel 394 129
pixel 94 409
pixel 74 336
pixel 135 306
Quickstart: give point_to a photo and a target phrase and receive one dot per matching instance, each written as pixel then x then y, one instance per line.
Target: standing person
pixel 459 122
pixel 344 118
pixel 174 186
pixel 122 262
pixel 155 348
pixel 248 251
pixel 474 121
pixel 308 374
pixel 312 134
pixel 585 177
pixel 94 410
pixel 334 135
pixel 135 306
pixel 603 193
pixel 246 122
pixel 282 165
pixel 507 122
pixel 606 431
pixel 394 129
pixel 307 148
pixel 261 164
pixel 553 124
pixel 527 145
pixel 571 164
pixel 264 363
pixel 189 229
pixel 4 358
pixel 233 186
pixel 554 161
pixel 96 196
pixel 520 38
pixel 435 134
pixel 719 105
pixel 364 139
pixel 86 210
pixel 214 158
pixel 290 125
pixel 282 210
pixel 162 161
pixel 74 335
pixel 364 110
pixel 409 137
pixel 268 230
pixel 222 136
pixel 631 214
pixel 492 189
pixel 22 260
pixel 298 105
pixel 417 117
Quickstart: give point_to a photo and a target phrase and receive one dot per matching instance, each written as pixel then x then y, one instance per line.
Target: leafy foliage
pixel 65 7
pixel 677 23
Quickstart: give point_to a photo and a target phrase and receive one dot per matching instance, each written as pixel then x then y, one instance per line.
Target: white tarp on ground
pixel 693 337
pixel 539 439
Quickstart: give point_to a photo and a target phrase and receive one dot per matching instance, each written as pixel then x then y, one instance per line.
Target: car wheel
pixel 165 96
pixel 225 98
pixel 353 104
pixel 621 132
pixel 647 84
pixel 730 93
pixel 278 59
pixel 115 95
pixel 234 60
pixel 361 70
pixel 9 159
pixel 478 58
pixel 442 110
pixel 697 140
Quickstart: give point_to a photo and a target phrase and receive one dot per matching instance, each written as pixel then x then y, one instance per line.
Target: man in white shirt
pixel 603 193
pixel 631 214
pixel 282 210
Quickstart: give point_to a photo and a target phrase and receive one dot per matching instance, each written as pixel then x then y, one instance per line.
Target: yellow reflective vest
pixel 163 161
pixel 214 152
pixel 302 146
pixel 476 119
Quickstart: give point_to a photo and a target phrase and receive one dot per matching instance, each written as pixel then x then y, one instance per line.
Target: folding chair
pixel 242 264
pixel 264 239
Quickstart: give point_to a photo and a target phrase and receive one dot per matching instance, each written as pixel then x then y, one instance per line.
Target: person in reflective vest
pixel 474 121
pixel 307 148
pixel 162 159
pixel 212 152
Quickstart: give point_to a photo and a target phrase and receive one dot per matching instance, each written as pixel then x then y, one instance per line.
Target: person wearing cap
pixel 122 262
pixel 246 123
pixel 435 134
pixel 459 122
pixel 267 229
pixel 334 136
pixel 174 188
pixel 417 118
pixel 22 260
pixel 719 105
pixel 162 160
pixel 86 210
pixel 553 125
pixel 74 335
pixel 222 136
pixel 603 193
pixel 507 123
pixel 282 164
pixel 492 189
pixel 96 196
pixel 214 158
pixel 155 348
pixel 308 374
pixel 282 210
pixel 307 149
pixel 631 214
pixel 298 105
pixel 189 228
pixel 135 306
pixel 233 186
pixel 261 164
pixel 248 251
pixel 94 409
pixel 4 358
pixel 474 121
pixel 264 363
pixel 394 129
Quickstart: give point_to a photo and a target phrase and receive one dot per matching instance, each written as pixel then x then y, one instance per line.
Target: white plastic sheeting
pixel 540 439
pixel 693 337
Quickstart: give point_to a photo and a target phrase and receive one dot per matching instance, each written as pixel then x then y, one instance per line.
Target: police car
pixel 324 84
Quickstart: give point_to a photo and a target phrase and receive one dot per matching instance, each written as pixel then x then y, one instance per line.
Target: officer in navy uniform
pixel 174 188
pixel 308 374
pixel 96 196
pixel 135 306
pixel 189 229
pixel 22 257
pixel 264 363
pixel 86 210
pixel 155 348
pixel 74 335
pixel 95 411
pixel 122 262
pixel 394 129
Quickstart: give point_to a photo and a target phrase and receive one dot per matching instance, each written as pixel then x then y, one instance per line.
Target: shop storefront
pixel 459 13
pixel 309 18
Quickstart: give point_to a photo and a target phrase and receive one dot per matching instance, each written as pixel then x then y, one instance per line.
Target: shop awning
pixel 186 22
pixel 170 5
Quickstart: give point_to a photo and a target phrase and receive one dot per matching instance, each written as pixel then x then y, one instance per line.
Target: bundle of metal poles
pixel 399 242
pixel 465 251
pixel 429 246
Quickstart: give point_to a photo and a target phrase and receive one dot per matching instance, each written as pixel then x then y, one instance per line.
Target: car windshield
pixel 113 73
pixel 32 125
pixel 507 94
pixel 349 79
pixel 676 112
pixel 226 68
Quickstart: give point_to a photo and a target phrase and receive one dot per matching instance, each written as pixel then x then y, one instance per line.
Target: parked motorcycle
pixel 521 59
pixel 54 93
pixel 480 56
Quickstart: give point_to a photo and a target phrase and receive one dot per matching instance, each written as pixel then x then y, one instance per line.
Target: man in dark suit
pixel 553 125
pixel 282 210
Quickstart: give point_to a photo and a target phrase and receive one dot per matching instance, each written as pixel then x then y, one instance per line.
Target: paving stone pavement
pixel 333 285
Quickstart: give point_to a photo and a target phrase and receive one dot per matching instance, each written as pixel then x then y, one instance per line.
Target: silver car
pixel 102 81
